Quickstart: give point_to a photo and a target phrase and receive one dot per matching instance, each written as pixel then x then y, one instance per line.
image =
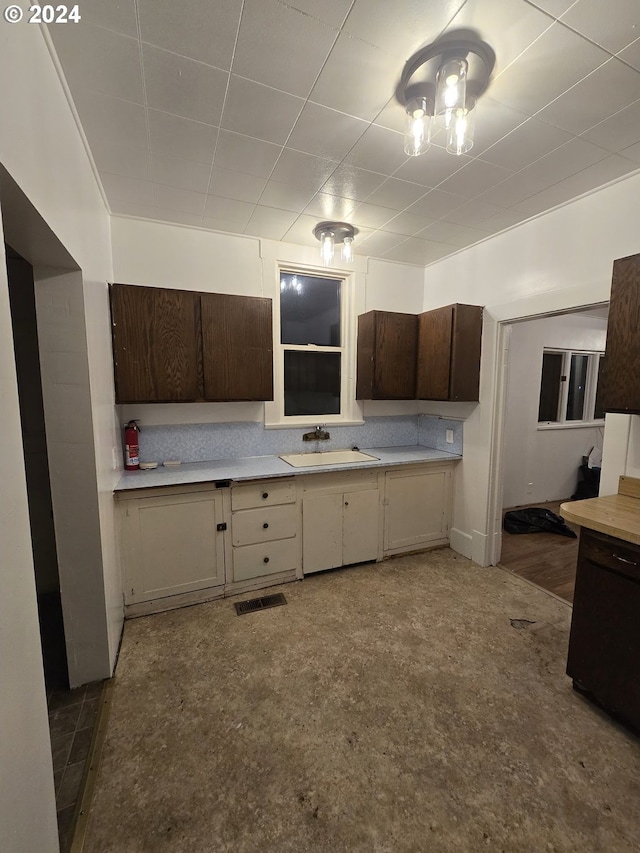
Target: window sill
pixel 307 424
pixel 573 425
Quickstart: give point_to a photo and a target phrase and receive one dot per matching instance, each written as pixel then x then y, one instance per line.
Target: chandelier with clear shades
pixel 332 234
pixel 439 89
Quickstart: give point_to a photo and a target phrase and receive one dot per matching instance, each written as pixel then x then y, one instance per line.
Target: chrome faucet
pixel 318 434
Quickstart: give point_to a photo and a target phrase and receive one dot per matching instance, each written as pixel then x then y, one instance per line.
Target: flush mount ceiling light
pixel 331 234
pixel 441 84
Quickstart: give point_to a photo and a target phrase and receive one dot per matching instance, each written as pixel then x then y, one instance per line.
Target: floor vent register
pixel 251 605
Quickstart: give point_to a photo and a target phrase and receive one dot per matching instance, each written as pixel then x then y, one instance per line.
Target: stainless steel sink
pixel 327 457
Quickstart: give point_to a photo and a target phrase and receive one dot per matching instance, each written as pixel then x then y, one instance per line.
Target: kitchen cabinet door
pixel 339 529
pixel 156 344
pixel 417 508
pixel 619 388
pixel 448 361
pixel 360 526
pixel 237 347
pixel 171 544
pixel 387 348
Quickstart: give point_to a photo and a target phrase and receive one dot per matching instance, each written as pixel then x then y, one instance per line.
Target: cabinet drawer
pixel 610 553
pixel 254 561
pixel 264 525
pixel 263 493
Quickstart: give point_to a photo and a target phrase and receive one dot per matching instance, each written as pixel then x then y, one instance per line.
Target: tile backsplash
pixel 206 442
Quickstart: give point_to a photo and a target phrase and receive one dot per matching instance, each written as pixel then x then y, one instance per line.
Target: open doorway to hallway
pixel 552 423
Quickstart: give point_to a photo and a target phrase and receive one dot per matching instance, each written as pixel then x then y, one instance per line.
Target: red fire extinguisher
pixel 131 449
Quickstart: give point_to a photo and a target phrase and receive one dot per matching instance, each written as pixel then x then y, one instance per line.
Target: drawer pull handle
pixel 265 495
pixel 266 560
pixel 623 560
pixel 265 525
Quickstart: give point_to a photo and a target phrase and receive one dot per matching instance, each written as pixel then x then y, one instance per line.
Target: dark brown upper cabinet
pixel 387 343
pixel 619 387
pixel 176 346
pixel 237 347
pixel 156 340
pixel 449 342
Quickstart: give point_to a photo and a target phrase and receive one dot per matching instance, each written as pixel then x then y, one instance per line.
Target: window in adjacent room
pixel 569 387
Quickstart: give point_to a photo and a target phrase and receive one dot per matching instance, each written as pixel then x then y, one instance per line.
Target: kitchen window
pixel 313 350
pixel 569 388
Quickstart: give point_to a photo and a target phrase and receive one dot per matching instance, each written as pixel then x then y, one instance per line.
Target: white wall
pixel 558 261
pixel 546 458
pixel 41 149
pixel 160 255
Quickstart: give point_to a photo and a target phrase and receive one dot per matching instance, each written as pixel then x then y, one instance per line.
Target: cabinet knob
pixel 266 560
pixel 346 503
pixel 265 495
pixel 265 525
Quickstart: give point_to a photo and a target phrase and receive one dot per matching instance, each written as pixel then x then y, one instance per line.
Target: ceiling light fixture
pixel 331 234
pixel 441 84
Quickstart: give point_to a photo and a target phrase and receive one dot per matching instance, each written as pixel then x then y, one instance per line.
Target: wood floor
pixel 546 559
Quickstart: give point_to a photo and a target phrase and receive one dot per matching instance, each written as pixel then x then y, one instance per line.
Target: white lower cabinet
pixel 340 520
pixel 417 511
pixel 170 543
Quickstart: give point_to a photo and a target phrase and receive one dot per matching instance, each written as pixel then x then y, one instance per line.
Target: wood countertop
pixel 615 515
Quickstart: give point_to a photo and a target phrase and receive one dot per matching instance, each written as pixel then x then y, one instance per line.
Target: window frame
pixel 593 365
pixel 350 410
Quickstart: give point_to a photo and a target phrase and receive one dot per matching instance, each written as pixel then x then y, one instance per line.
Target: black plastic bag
pixel 536 520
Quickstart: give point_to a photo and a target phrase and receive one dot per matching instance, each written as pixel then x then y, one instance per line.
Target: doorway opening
pixel 546 436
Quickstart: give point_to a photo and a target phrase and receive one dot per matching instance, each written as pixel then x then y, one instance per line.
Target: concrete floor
pixel 388 707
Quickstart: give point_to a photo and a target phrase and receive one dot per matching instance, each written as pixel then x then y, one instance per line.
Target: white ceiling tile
pixel 501 221
pixel 246 154
pixel 325 132
pixel 474 213
pixel 174 198
pixel 454 235
pixel 229 210
pixel 302 170
pixel 508 26
pixel 160 214
pixel 372 216
pixel 259 111
pixel 181 173
pixel 617 132
pixel 327 206
pixel 286 196
pixel 122 160
pixel 131 208
pixel 609 169
pixel 126 190
pixel 416 251
pixel 182 28
pixel 302 231
pixel 493 122
pixel 352 182
pixel 171 134
pixel 378 243
pixel 179 216
pixel 553 7
pixel 431 168
pixel 527 143
pixel 358 78
pixel 100 59
pixel 270 223
pixel 612 26
pixel 396 194
pixel 543 71
pixel 608 89
pixel 236 185
pixel 436 204
pixel 183 86
pixel 116 15
pixel 631 54
pixel 408 224
pixel 331 12
pixel 378 150
pixel 111 120
pixel 474 178
pixel 632 152
pixel 281 47
pixel 400 28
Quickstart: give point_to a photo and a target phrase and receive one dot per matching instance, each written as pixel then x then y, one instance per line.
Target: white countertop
pixel 256 467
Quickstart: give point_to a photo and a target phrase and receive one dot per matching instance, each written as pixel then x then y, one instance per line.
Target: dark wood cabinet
pixel 237 347
pixel 619 387
pixel 174 346
pixel 156 342
pixel 604 644
pixel 387 344
pixel 448 356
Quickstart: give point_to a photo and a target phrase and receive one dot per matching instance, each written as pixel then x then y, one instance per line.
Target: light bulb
pixel 461 130
pixel 347 250
pixel 417 135
pixel 327 247
pixel 451 89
